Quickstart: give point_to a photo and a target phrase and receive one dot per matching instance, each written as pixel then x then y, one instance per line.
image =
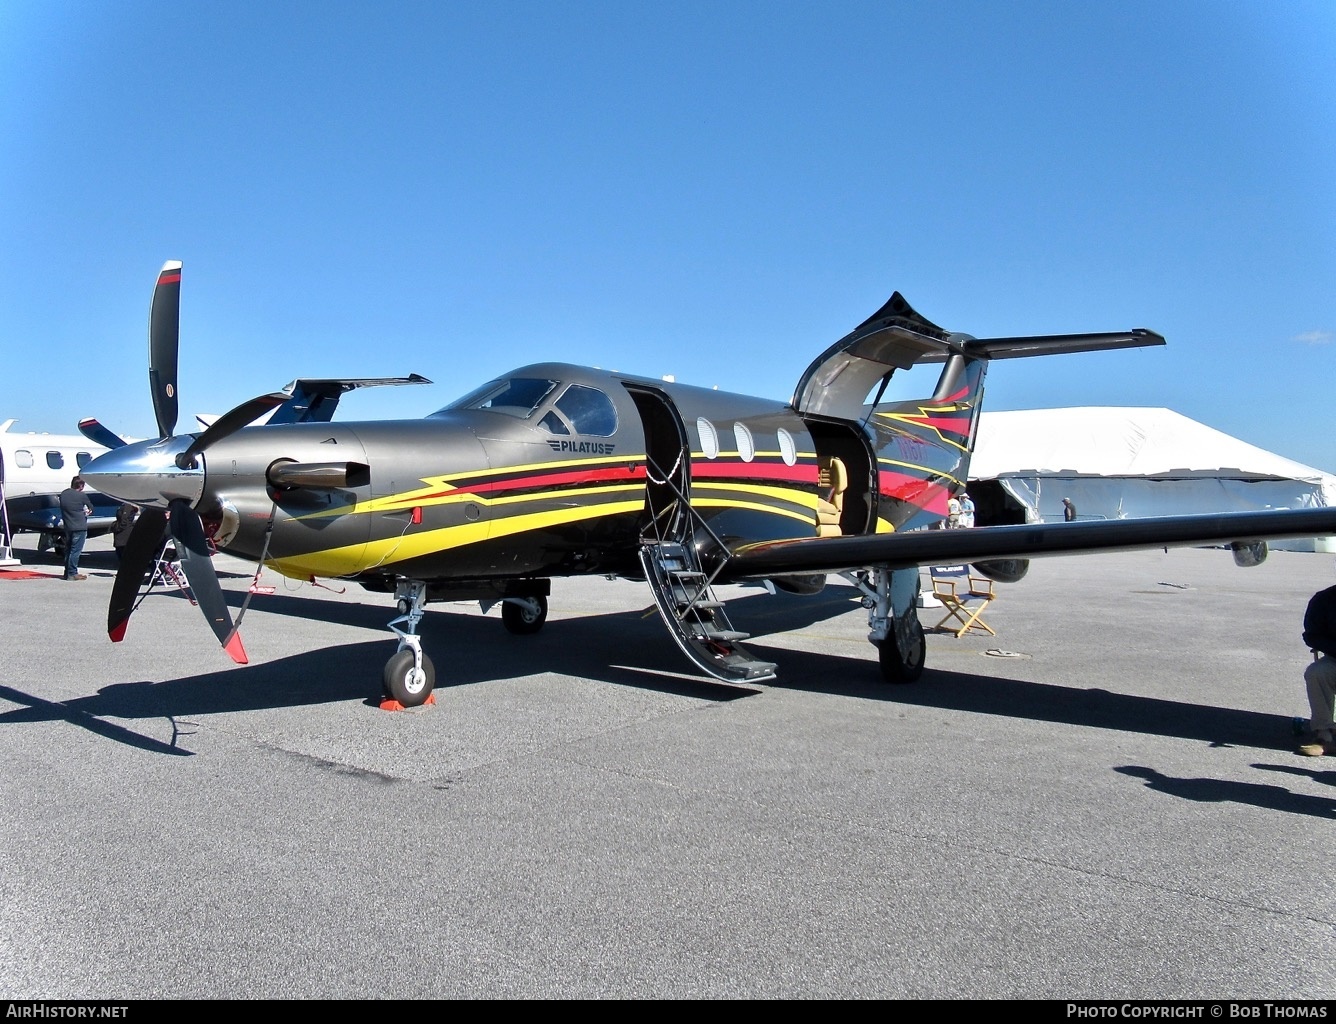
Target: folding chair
pixel 167 571
pixel 964 597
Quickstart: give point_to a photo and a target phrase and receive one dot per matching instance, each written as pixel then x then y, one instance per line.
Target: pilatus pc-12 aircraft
pixel 557 470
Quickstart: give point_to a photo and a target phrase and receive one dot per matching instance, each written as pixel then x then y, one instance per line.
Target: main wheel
pixel 905 666
pixel 521 619
pixel 405 683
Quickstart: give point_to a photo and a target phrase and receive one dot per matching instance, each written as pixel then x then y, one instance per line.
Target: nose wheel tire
pixel 405 683
pixel 521 619
pixel 903 666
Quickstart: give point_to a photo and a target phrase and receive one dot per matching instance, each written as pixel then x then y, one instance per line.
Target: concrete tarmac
pixel 1100 802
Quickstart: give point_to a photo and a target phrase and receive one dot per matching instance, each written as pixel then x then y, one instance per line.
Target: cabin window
pixel 746 446
pixel 23 458
pixel 589 410
pixel 54 460
pixel 83 459
pixel 788 451
pixel 709 438
pixel 518 396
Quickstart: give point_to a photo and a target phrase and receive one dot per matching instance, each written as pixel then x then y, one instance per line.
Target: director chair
pixel 964 596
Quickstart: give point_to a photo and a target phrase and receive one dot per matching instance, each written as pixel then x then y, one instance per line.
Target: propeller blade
pixel 137 559
pixel 229 423
pixel 164 332
pixel 193 549
pixel 98 434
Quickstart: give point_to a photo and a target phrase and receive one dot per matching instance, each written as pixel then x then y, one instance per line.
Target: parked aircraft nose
pixel 146 473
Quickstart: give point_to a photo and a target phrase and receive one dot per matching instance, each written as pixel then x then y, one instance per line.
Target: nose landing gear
pixel 409 676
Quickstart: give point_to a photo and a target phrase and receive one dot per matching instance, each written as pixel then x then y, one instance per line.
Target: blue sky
pixel 716 191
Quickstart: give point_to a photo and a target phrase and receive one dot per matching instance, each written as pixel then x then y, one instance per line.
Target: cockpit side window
pixel 589 410
pixel 553 423
pixel 517 396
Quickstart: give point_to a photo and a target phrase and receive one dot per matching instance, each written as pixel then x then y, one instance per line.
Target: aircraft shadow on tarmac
pixel 626 648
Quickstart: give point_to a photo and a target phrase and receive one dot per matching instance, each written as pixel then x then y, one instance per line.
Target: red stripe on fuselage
pixel 536 481
pixel 553 480
pixel 778 472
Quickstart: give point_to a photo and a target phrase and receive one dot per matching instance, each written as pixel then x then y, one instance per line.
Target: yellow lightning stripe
pixel 353 558
pixel 916 420
pixel 430 493
pixel 720 500
pixel 929 470
pixel 754 506
pixel 557 493
pixel 804 498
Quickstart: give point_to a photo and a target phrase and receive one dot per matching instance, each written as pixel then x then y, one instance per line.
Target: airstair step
pixel 726 635
pixel 682 593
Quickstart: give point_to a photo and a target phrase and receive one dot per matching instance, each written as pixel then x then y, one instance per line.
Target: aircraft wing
pixel 1032 540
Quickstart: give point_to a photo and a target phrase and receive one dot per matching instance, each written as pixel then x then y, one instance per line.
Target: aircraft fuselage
pixel 561 472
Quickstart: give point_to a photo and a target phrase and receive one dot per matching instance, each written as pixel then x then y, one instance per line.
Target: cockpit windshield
pixel 577 409
pixel 514 396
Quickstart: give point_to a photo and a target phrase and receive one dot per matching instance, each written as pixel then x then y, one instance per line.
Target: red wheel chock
pixel 390 704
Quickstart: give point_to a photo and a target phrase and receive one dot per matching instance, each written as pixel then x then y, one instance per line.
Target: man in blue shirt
pixel 74 511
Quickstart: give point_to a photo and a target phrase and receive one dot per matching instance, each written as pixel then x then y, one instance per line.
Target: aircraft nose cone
pixel 146 473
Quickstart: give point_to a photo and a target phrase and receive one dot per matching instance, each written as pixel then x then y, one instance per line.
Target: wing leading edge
pixel 1034 540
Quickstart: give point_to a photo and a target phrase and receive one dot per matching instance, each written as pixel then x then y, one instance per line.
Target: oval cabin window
pixel 746 446
pixel 709 438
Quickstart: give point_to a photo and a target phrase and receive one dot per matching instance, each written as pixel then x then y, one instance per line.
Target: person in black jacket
pixel 1320 676
pixel 120 532
pixel 74 513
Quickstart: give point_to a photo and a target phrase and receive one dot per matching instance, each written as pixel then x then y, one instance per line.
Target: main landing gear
pixel 891 599
pixel 524 616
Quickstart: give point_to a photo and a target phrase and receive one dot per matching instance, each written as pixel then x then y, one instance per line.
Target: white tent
pixel 1123 463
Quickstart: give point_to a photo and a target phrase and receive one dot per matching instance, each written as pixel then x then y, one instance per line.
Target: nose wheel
pixel 407 681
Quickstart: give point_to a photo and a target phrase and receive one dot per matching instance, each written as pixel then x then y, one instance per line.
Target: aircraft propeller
pixel 98 434
pixel 166 493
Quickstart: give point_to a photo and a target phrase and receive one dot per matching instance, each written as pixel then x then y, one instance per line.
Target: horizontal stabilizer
pixel 315 399
pixel 1051 344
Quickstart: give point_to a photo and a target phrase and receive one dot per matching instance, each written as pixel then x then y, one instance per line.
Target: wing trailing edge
pixel 1034 540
